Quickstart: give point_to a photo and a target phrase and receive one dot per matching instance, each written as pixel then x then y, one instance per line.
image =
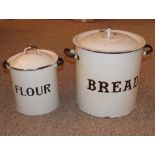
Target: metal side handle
pixel 71 53
pixel 6 65
pixel 148 49
pixel 60 62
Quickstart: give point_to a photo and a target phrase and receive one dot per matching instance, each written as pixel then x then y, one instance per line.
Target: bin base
pixel 39 113
pixel 108 115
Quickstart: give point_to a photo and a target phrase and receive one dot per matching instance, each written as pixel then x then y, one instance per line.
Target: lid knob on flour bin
pixel 31 48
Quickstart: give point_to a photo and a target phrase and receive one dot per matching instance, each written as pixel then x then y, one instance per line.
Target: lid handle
pixel 108 32
pixel 29 48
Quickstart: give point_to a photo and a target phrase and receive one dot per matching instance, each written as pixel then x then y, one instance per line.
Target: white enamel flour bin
pixel 107 70
pixel 34 80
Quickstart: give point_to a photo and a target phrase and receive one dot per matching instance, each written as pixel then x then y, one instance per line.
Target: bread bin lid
pixel 32 59
pixel 109 41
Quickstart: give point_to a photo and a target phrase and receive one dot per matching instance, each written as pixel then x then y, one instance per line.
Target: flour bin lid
pixel 32 59
pixel 109 41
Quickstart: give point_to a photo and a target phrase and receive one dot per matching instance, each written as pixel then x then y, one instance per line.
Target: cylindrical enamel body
pixel 107 84
pixel 36 92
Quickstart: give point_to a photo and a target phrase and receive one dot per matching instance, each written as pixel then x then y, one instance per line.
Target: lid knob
pixel 31 48
pixel 108 32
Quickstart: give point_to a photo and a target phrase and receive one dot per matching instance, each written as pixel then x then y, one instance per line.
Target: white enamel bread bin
pixel 107 70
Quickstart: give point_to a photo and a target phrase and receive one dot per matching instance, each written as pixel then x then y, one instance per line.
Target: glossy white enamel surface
pixel 29 104
pixel 107 40
pixel 109 68
pixel 33 59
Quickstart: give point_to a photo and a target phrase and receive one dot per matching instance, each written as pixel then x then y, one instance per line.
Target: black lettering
pixel 19 88
pixel 91 84
pixel 30 91
pixel 22 92
pixel 46 88
pixel 41 90
pixel 116 88
pixel 127 85
pixel 135 82
pixel 103 85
